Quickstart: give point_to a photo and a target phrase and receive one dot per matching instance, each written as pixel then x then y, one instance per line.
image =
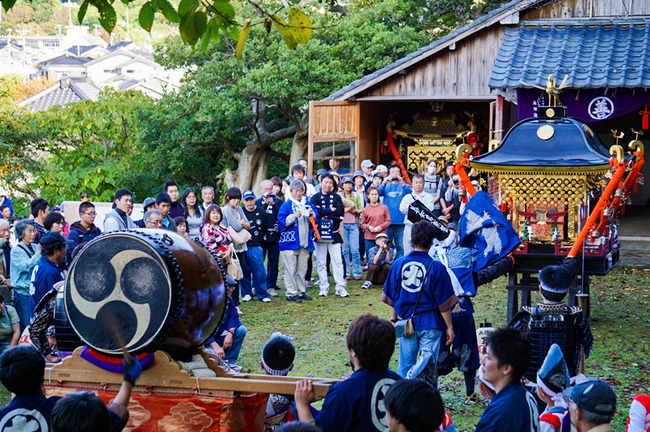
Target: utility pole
pixel 128 33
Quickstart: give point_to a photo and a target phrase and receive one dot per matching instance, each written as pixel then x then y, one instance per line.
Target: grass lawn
pixel 620 323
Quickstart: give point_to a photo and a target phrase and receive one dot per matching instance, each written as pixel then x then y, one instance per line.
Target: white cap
pixel 367 163
pixel 381 168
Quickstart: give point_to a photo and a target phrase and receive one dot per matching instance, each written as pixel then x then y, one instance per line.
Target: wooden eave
pixel 449 41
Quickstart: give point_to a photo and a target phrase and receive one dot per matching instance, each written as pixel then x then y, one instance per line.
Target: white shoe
pixel 246 298
pixel 273 292
pixel 342 292
pixel 266 300
pixel 323 292
pixel 367 284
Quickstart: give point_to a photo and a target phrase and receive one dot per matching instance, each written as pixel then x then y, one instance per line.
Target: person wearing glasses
pixel 82 231
pixel 153 219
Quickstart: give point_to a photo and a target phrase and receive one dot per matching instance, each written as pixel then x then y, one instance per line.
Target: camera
pixel 456 182
pixel 394 179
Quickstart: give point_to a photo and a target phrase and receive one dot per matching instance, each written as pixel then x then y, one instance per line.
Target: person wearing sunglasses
pixel 82 231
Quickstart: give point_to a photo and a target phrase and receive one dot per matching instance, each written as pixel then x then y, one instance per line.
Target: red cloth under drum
pixel 189 413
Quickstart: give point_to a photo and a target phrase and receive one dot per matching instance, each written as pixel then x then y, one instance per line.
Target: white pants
pixel 295 268
pixel 336 259
pixel 407 238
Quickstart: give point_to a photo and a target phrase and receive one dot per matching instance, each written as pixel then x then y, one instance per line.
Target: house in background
pixel 121 62
pixel 65 64
pixel 65 91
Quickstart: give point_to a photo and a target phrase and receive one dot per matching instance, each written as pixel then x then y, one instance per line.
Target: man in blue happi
pixel 420 288
pixel 512 408
pixel 356 403
pixel 48 271
pixel 465 278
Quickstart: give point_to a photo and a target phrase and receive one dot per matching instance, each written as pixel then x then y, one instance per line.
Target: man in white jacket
pixel 416 194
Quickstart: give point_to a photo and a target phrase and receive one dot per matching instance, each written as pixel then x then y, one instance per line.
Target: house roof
pixel 66 59
pixel 484 21
pixel 122 51
pixel 593 54
pixel 79 50
pixel 65 91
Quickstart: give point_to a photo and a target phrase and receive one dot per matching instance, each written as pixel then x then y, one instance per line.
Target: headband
pixel 266 367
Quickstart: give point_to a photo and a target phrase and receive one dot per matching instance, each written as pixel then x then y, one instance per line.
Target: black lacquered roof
pixel 572 144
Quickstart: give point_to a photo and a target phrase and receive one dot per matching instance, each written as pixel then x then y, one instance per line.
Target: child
pixel 551 321
pixel 552 379
pixel 277 359
pixel 21 371
pixel 416 406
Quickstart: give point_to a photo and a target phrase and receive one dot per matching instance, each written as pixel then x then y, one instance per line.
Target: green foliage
pixel 86 146
pixel 215 114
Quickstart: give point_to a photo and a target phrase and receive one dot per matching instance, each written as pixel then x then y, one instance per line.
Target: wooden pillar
pixel 499 118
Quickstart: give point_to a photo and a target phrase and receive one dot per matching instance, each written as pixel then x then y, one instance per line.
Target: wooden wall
pixel 463 72
pixel 616 9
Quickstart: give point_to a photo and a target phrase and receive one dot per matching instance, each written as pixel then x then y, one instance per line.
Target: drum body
pixel 144 290
pixel 66 338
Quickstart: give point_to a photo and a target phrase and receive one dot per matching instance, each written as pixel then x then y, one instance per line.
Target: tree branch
pixel 279 155
pixel 287 114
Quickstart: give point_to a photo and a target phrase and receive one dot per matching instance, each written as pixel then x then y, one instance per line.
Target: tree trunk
pixel 253 161
pixel 253 164
pixel 300 144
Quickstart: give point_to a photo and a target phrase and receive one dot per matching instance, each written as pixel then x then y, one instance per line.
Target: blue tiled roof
pixel 594 54
pixel 513 4
pixel 66 60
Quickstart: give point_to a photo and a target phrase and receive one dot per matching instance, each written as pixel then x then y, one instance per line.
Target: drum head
pixel 118 292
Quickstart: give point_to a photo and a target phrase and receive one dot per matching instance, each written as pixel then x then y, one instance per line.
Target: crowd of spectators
pixel 344 224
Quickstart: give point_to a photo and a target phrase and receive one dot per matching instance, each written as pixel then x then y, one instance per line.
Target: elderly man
pixel 593 405
pixel 207 195
pixel 119 218
pixel 330 209
pixel 153 219
pixel 5 259
pixel 296 240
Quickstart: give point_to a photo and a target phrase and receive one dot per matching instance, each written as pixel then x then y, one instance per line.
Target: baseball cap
pixel 52 240
pixel 248 194
pixel 147 202
pixel 381 168
pixel 381 235
pixel 367 163
pixel 347 179
pixel 593 395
